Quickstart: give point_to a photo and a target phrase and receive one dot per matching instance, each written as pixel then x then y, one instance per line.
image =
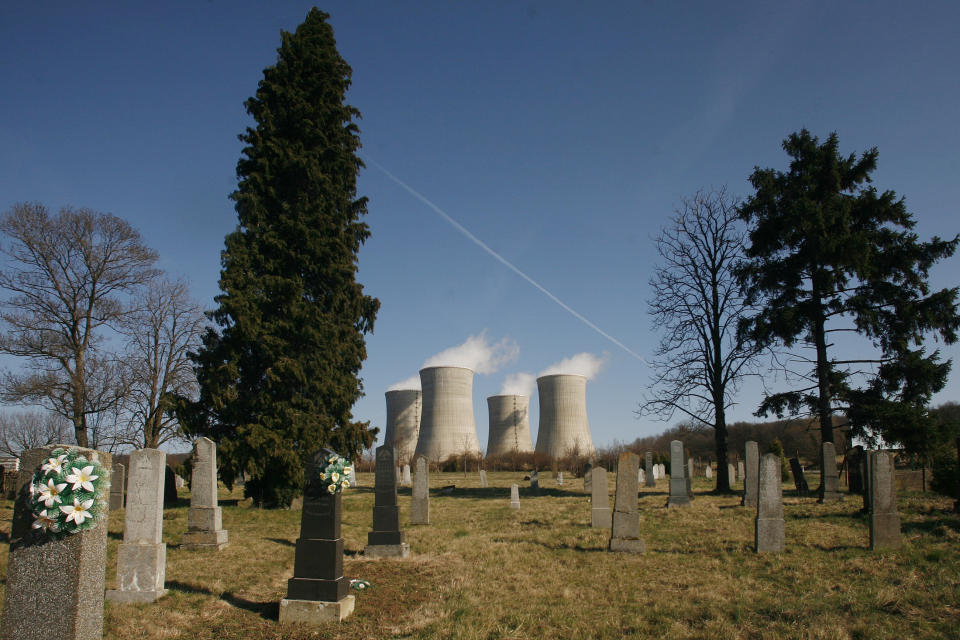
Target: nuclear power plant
pixel 403 423
pixel 564 428
pixel 447 427
pixel 509 425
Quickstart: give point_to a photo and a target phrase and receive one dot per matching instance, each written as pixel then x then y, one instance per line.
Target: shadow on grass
pixel 114 535
pixel 930 525
pixel 267 610
pixel 563 546
pixel 283 541
pixel 4 537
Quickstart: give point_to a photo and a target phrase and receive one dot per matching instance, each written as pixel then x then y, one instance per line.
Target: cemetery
pixel 483 565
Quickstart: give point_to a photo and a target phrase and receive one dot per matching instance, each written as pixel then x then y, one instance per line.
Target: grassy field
pixel 481 570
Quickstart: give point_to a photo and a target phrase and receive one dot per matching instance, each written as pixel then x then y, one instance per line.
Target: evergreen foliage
pixel 830 254
pixel 279 378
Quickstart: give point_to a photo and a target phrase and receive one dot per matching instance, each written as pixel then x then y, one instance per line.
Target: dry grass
pixel 484 571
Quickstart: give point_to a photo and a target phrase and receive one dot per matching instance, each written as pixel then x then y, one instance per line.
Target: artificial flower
pixel 334 477
pixel 345 484
pixel 78 511
pixel 348 470
pixel 332 488
pixel 45 521
pixel 54 464
pixel 82 478
pixel 50 492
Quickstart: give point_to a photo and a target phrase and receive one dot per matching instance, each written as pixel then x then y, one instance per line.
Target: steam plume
pixel 411 383
pixel 476 353
pixel 581 364
pixel 519 384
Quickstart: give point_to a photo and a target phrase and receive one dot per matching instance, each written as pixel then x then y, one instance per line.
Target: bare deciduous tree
pixel 66 278
pixel 30 429
pixel 697 303
pixel 163 329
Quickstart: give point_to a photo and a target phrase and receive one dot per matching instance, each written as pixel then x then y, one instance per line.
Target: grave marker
pixel 420 502
pixel 117 485
pixel 708 472
pixel 535 481
pixel 679 495
pixel 483 478
pixel 386 540
pixel 751 483
pixel 884 517
pixel 514 496
pixel 599 499
pixel 625 533
pixel 406 475
pixel 799 481
pixel 829 478
pixel 205 519
pixel 648 470
pixel 769 525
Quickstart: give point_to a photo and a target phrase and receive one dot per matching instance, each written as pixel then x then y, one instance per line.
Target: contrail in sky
pixel 480 243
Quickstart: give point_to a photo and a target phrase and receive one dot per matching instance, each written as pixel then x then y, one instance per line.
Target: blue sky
pixel 561 134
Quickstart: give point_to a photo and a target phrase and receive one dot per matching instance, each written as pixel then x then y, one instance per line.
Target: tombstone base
pixel 627 545
pixel 514 505
pixel 204 540
pixel 769 535
pixel 315 612
pixel 678 501
pixel 600 518
pixel 885 531
pixel 830 496
pixel 401 550
pixel 116 595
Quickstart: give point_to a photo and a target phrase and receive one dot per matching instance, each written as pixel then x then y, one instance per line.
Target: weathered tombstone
pixel 656 472
pixel 640 477
pixel 399 477
pixel 663 470
pixel 588 477
pixel 625 532
pixel 732 473
pixel 688 476
pixel 420 502
pixel 648 470
pixel 560 478
pixel 855 463
pixel 691 468
pixel 884 517
pixel 599 499
pixel 535 481
pixel 142 556
pixel 708 472
pixel 799 481
pixel 179 482
pixel 741 471
pixel 514 496
pixel 117 480
pixel 386 540
pixel 405 477
pixel 769 529
pixel 169 488
pixel 204 519
pixel 483 478
pixel 317 592
pixel 63 577
pixel 751 483
pixel 829 479
pixel 679 496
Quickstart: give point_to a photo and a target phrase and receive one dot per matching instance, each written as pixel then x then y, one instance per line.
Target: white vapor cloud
pixel 411 383
pixel 518 384
pixel 476 353
pixel 581 364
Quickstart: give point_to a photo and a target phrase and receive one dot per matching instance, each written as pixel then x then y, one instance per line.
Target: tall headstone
pixel 205 519
pixel 483 478
pixel 732 473
pixel 688 476
pixel 117 479
pixel 420 502
pixel 769 526
pixel 386 540
pixel 829 478
pixel 318 590
pixel 625 533
pixel 741 471
pixel 679 496
pixel 535 481
pixel 708 472
pixel 514 496
pixel 751 481
pixel 691 468
pixel 599 499
pixel 405 477
pixel 641 477
pixel 560 478
pixel 855 464
pixel 65 577
pixel 648 469
pixel 142 556
pixel 884 517
pixel 799 480
pixel 170 496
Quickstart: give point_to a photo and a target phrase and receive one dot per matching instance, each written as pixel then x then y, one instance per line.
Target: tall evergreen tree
pixel 279 378
pixel 829 254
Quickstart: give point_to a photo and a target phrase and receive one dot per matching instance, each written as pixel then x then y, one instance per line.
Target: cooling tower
pixel 563 416
pixel 447 427
pixel 509 425
pixel 403 423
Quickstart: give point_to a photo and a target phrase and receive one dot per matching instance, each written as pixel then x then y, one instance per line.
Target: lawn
pixel 481 570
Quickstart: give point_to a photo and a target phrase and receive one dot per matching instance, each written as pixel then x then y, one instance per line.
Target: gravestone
pixel 648 470
pixel 708 472
pixel 54 588
pixel 142 556
pixel 751 483
pixel 204 519
pixel 732 473
pixel 855 463
pixel 588 477
pixel 514 496
pixel 679 495
pixel 483 478
pixel 318 590
pixel 405 476
pixel 656 472
pixel 178 482
pixel 691 468
pixel 829 478
pixel 884 517
pixel 356 474
pixel 663 470
pixel 799 481
pixel 688 476
pixel 560 478
pixel 599 499
pixel 640 477
pixel 386 540
pixel 420 502
pixel 625 533
pixel 117 479
pixel 535 481
pixel 741 471
pixel 169 488
pixel 769 526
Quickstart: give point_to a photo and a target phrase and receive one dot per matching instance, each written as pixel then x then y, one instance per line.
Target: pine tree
pixel 279 378
pixel 829 254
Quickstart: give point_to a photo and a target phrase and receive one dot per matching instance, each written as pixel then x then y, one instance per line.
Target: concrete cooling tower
pixel 509 425
pixel 447 427
pixel 563 416
pixel 403 423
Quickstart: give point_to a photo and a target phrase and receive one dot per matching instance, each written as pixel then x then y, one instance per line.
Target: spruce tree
pixel 279 377
pixel 829 254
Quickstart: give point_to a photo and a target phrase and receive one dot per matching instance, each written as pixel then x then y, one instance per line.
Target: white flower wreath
pixel 68 493
pixel 335 473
